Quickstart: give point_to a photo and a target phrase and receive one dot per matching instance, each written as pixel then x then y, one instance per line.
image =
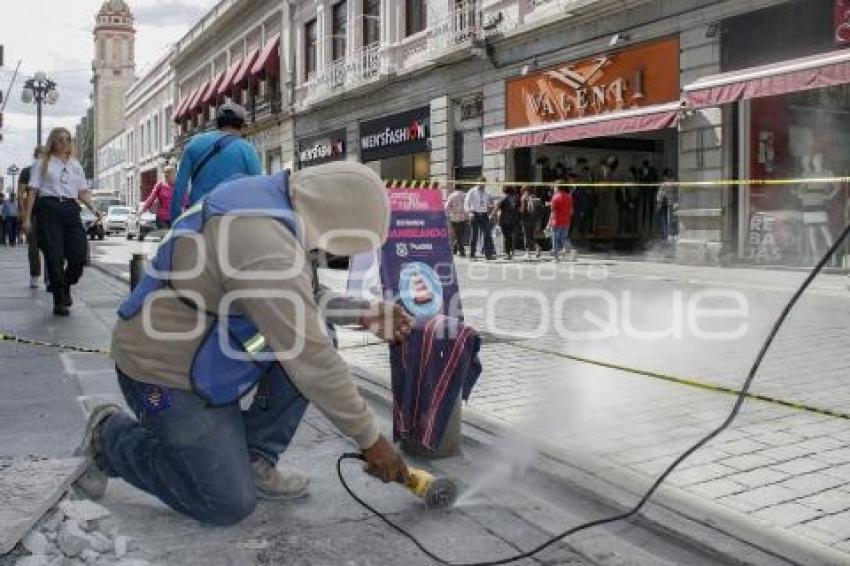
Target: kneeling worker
pixel 237 262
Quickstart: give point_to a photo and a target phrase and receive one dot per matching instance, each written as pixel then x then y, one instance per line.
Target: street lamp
pixel 41 90
pixel 13 171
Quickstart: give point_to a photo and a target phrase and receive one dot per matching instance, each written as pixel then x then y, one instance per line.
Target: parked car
pixel 116 219
pixel 140 225
pixel 92 226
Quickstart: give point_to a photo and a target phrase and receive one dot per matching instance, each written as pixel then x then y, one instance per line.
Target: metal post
pixel 38 119
pixel 137 267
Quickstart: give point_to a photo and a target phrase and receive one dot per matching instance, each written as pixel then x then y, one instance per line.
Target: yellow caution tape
pixel 418 184
pixel 700 384
pixel 6 337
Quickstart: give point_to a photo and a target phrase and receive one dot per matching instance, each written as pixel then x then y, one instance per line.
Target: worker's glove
pixel 389 322
pixel 384 462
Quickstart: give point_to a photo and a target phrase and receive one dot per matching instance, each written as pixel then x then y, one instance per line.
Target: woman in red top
pixel 162 194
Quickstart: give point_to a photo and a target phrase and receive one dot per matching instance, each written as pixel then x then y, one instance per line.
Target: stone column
pixel 441 126
pixel 494 121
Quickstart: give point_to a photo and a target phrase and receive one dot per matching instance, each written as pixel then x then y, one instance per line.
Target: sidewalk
pixel 328 527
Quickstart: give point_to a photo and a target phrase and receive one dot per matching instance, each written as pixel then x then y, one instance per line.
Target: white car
pixel 140 225
pixel 116 219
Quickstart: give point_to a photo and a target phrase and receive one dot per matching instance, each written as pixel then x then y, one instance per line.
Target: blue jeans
pixel 560 239
pixel 481 225
pixel 195 458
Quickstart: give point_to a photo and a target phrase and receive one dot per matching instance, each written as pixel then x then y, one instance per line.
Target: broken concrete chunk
pixel 35 543
pixel 83 510
pixel 34 560
pixel 121 546
pixel 99 542
pixel 90 556
pixel 50 524
pixel 72 540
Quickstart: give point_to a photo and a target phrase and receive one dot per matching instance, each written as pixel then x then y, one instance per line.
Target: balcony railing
pixel 451 31
pixel 362 66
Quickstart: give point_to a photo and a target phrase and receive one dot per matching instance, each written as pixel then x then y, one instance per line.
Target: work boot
pixel 273 484
pixel 92 483
pixel 33 282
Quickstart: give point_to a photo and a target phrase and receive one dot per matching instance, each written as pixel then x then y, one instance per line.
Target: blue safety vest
pixel 219 378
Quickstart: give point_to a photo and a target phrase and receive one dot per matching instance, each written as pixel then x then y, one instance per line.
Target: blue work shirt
pixel 238 158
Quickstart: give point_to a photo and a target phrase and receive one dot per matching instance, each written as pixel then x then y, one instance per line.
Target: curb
pixel 685 515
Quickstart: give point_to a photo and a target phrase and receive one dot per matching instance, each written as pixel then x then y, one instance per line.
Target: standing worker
pixel 162 194
pixel 458 219
pixel 562 214
pixel 59 182
pixel 191 445
pixel 10 215
pixel 479 205
pixel 26 194
pixel 213 157
pixel 509 220
pixel 2 219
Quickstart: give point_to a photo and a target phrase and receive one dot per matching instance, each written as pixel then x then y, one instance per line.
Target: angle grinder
pixel 436 492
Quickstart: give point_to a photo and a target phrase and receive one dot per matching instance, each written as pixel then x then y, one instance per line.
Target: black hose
pixel 651 491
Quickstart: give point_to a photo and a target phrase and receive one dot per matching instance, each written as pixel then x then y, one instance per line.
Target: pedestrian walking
pixel 479 206
pixel 456 214
pixel 161 195
pixel 59 182
pixel 530 209
pixel 10 215
pixel 26 193
pixel 212 157
pixel 509 220
pixel 559 220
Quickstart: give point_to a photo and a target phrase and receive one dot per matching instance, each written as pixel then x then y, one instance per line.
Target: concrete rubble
pixel 74 533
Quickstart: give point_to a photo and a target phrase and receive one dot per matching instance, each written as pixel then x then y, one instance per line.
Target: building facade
pixel 149 130
pixel 112 157
pixel 239 52
pixel 114 70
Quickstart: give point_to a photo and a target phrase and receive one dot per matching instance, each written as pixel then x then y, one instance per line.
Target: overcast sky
pixel 55 36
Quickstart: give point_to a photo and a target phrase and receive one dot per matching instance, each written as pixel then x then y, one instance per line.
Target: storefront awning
pixel 178 113
pixel 195 103
pixel 242 75
pixel 212 91
pixel 615 123
pixel 227 81
pixel 184 111
pixel 770 80
pixel 268 62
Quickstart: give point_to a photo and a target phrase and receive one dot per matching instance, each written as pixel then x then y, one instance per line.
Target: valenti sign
pixel 399 134
pixel 323 149
pixel 640 76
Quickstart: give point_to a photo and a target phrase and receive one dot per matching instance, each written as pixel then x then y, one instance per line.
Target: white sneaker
pixel 33 282
pixel 273 484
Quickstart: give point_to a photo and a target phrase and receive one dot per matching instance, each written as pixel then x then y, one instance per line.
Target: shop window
pixel 310 49
pixel 416 16
pixel 802 136
pixel 371 21
pixel 340 27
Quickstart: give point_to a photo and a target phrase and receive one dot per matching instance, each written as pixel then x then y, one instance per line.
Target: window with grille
pixel 416 16
pixel 340 27
pixel 371 21
pixel 310 49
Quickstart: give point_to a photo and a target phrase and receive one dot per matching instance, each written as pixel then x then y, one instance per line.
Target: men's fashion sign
pixel 399 134
pixel 326 148
pixel 640 76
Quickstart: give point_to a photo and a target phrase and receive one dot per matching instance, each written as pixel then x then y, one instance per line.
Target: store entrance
pixel 416 166
pixel 613 217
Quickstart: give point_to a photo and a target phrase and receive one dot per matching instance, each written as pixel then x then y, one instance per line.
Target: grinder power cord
pixel 649 493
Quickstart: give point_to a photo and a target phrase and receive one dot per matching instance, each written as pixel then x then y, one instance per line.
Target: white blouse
pixel 63 179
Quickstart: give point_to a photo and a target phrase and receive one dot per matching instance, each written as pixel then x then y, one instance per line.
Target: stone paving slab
pixel 29 487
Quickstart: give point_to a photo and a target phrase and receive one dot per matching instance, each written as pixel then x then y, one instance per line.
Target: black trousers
pixel 510 237
pixel 63 239
pixel 459 237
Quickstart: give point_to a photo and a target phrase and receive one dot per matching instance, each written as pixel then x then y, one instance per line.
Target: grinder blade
pixel 441 494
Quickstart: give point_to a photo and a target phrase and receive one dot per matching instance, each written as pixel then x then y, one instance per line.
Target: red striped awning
pixel 268 62
pixel 212 91
pixel 195 102
pixel 242 75
pixel 188 105
pixel 178 112
pixel 807 73
pixel 227 81
pixel 645 119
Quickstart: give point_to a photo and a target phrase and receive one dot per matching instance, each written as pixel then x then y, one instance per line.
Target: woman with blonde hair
pixel 59 182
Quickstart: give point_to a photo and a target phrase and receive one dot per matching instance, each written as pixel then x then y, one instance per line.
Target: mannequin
pixel 814 198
